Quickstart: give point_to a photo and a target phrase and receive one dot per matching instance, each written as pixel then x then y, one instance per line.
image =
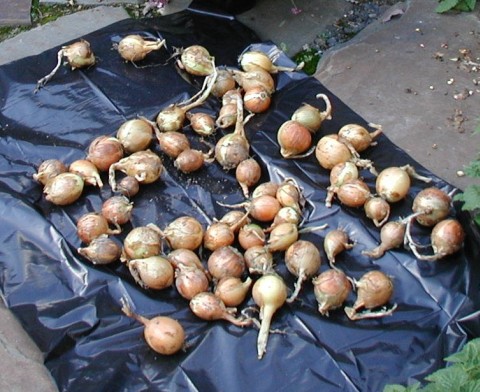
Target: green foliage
pixel 463 375
pixel 457 5
pixel 310 57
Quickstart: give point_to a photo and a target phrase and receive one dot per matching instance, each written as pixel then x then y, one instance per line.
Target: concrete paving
pixel 398 72
pixel 15 12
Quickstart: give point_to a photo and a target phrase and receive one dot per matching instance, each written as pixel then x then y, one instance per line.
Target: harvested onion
pixel 226 261
pixel 294 139
pixel 64 189
pixel 248 173
pixel 391 236
pixel 259 260
pixel 154 272
pixel 101 250
pixel 311 117
pixel 135 135
pixel 331 289
pixel 431 205
pixel 117 210
pixel 185 232
pixel 232 291
pixel 191 281
pixel 335 242
pixel 87 170
pixel 91 225
pixel 141 242
pixel 358 136
pixel 49 169
pixel 134 47
pixel 104 151
pixel 208 306
pixel 378 210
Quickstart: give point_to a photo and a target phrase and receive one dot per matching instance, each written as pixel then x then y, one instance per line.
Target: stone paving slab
pixel 15 12
pixel 93 2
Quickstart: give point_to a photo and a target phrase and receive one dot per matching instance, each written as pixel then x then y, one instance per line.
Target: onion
pixel 374 289
pixel 145 166
pixel 259 260
pixel 173 143
pixel 135 135
pixel 184 258
pixel 202 123
pixel 191 160
pixel 225 82
pixel 88 171
pixel 446 239
pixel 128 186
pixel 154 272
pixel 233 148
pixel 235 219
pixel 164 335
pixel 335 242
pixel 392 235
pixel 255 78
pixel 294 139
pixel 251 235
pixel 191 281
pixel 248 173
pixel 393 183
pixel 184 232
pixel 91 225
pixel 49 169
pixel 227 116
pixel 217 235
pixel 340 173
pixel 311 117
pixel 263 208
pixel 134 47
pixel 289 195
pixel 64 189
pixel 282 236
pixel 285 215
pixel 196 60
pixel 208 306
pixel 353 193
pixel 104 151
pixel 256 100
pixel 117 210
pixel 78 55
pixel 226 261
pixel 255 59
pixel 266 188
pixel 269 293
pixel 358 136
pixel 141 242
pixel 303 260
pixel 331 289
pixel 101 250
pixel 378 210
pixel 433 204
pixel 232 291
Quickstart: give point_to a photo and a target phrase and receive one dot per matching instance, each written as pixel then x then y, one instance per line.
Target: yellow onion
pixel 184 232
pixel 232 291
pixel 225 82
pixel 102 250
pixel 141 242
pixel 92 225
pixel 359 137
pixel 227 116
pixel 282 236
pixel 269 188
pixel 259 260
pixel 331 289
pixel 191 281
pixel 190 160
pixel 184 258
pixel 289 195
pixel 134 47
pixel 256 100
pixel 251 235
pixel 87 170
pixel 196 60
pixel 154 272
pixel 340 173
pixel 311 117
pixel 330 151
pixel 377 209
pixel 235 220
pixel 104 151
pixel 201 123
pixel 171 118
pixel 255 78
pixel 294 139
pixel 433 204
pixel 256 59
pixel 49 169
pixel 64 189
pixel 128 186
pixel 335 242
pixel 135 135
pixel 173 143
pixel 248 173
pixel 353 193
pixel 117 210
pixel 392 236
pixel 226 261
pixel 218 234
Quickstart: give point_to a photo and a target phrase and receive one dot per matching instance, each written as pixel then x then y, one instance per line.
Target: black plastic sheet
pixel 72 309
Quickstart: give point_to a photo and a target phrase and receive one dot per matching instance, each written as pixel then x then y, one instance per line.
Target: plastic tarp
pixel 71 308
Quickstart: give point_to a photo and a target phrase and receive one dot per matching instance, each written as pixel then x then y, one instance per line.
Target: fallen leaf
pixel 392 12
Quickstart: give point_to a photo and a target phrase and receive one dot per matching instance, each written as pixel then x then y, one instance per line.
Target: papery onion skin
pixel 259 260
pixel 393 184
pixel 218 234
pixel 293 138
pixel 135 135
pixel 435 204
pixel 64 189
pixel 79 54
pixel 331 289
pixel 353 193
pixel 104 151
pixel 49 169
pixel 202 123
pixel 233 218
pixel 102 250
pixel 141 242
pixel 154 272
pixel 184 258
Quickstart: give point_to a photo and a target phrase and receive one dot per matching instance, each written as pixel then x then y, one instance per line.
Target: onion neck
pixel 266 314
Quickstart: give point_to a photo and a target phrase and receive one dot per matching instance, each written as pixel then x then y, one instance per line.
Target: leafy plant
pixel 458 5
pixel 471 196
pixel 310 58
pixel 463 375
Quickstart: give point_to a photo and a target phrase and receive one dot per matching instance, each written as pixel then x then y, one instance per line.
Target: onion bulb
pixel 311 117
pixel 49 169
pixel 378 210
pixel 104 151
pixel 196 60
pixel 181 257
pixel 128 186
pixel 226 261
pixel 173 143
pixel 164 335
pixel 358 136
pixel 91 225
pixel 255 78
pixel 331 289
pixel 433 204
pixel 208 306
pixel 64 189
pixel 282 236
pixel 218 234
pixel 227 116
pixel 294 139
pixel 235 219
pixel 191 281
pixel 251 235
pixel 302 260
pixel 224 82
pixel 154 272
pixel 191 160
pixel 232 291
pixel 145 166
pixel 353 193
pixel 135 135
pixel 88 171
pixel 336 241
pixel 392 236
pixel 269 293
pixel 248 173
pixel 78 54
pixel 134 47
pixel 141 242
pixel 256 59
pixel 340 173
pixel 117 210
pixel 268 188
pixel 289 194
pixel 262 208
pixel 259 260
pixel 202 123
pixel 101 250
pixel 184 232
pixel 374 289
pixel 256 100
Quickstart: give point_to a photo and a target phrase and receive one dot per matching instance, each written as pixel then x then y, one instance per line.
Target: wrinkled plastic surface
pixel 72 309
